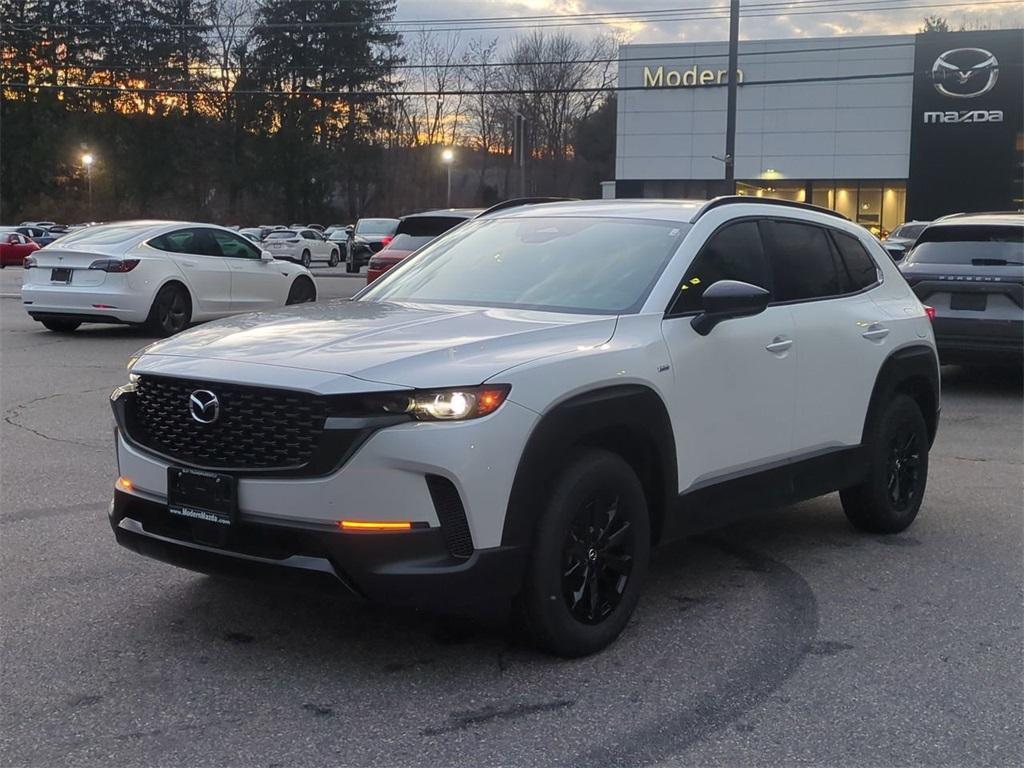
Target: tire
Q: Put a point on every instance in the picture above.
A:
(171, 312)
(302, 291)
(897, 447)
(61, 326)
(334, 259)
(305, 260)
(351, 267)
(593, 532)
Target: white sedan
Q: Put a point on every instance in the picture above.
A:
(303, 246)
(163, 274)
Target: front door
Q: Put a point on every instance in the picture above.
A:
(734, 390)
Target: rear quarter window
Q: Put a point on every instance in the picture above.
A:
(861, 270)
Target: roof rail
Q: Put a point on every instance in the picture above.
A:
(979, 213)
(718, 202)
(518, 201)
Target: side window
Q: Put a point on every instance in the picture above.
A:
(234, 247)
(732, 253)
(802, 263)
(859, 265)
(310, 234)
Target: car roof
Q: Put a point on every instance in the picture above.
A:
(455, 213)
(1008, 218)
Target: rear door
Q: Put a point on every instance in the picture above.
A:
(197, 256)
(255, 284)
(841, 336)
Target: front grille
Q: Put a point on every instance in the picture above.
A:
(257, 428)
(451, 514)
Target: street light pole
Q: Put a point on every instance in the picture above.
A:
(87, 161)
(448, 157)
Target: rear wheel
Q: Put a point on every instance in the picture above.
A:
(897, 445)
(302, 291)
(306, 259)
(334, 259)
(61, 326)
(171, 311)
(590, 555)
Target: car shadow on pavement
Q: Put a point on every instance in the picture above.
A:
(989, 380)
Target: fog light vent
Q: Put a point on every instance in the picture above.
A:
(451, 514)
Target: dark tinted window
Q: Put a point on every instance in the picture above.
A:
(975, 244)
(310, 234)
(733, 253)
(860, 267)
(802, 263)
(431, 226)
(909, 231)
(196, 242)
(235, 247)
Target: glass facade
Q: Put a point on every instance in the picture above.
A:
(880, 206)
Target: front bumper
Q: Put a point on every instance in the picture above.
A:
(412, 568)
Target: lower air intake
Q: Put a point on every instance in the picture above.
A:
(451, 514)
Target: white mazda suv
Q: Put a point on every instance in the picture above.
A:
(525, 407)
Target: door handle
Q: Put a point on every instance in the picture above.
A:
(188, 263)
(779, 345)
(875, 332)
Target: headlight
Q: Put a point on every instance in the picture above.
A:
(449, 404)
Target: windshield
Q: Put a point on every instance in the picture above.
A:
(281, 234)
(970, 244)
(909, 231)
(561, 264)
(403, 242)
(376, 226)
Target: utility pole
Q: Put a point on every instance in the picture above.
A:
(519, 150)
(730, 110)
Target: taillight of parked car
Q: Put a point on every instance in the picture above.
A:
(386, 240)
(930, 311)
(30, 262)
(115, 265)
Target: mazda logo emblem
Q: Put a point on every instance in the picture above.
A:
(204, 406)
(965, 73)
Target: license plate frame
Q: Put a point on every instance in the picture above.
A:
(61, 275)
(971, 302)
(202, 496)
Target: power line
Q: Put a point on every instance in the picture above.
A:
(343, 95)
(714, 12)
(105, 67)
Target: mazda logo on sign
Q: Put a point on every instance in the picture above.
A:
(204, 406)
(964, 73)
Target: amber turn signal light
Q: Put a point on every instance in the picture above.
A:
(374, 525)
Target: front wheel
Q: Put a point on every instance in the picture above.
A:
(302, 291)
(306, 259)
(589, 558)
(171, 311)
(61, 326)
(351, 266)
(897, 451)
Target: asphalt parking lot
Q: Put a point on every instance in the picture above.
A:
(788, 640)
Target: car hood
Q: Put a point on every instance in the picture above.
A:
(400, 344)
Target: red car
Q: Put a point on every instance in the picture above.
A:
(413, 233)
(14, 247)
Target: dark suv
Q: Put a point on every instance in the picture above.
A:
(970, 268)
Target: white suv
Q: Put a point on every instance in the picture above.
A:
(528, 405)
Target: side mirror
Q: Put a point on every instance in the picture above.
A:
(727, 299)
(349, 229)
(266, 256)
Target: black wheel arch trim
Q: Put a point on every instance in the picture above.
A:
(630, 420)
(911, 370)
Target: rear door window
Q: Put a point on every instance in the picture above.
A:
(861, 271)
(803, 267)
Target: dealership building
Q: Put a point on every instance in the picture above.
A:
(882, 129)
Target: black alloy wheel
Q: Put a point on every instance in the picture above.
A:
(598, 553)
(334, 259)
(306, 259)
(171, 312)
(903, 468)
